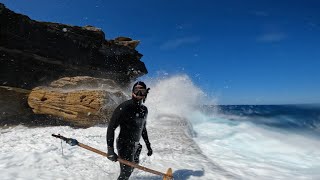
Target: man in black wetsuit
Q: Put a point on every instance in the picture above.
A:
(131, 116)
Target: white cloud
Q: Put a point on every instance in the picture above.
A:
(175, 43)
(272, 37)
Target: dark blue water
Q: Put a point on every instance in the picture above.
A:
(295, 117)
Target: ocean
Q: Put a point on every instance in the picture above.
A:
(262, 141)
(189, 132)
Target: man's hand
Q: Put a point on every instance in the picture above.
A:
(149, 149)
(112, 156)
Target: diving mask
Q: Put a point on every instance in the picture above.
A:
(138, 91)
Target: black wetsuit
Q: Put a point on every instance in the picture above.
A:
(131, 116)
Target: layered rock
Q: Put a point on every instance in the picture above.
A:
(35, 53)
(76, 101)
(127, 42)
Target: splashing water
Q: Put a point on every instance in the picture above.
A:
(238, 145)
(197, 145)
(174, 95)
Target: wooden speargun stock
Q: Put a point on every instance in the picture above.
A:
(74, 142)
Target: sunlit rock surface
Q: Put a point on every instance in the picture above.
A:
(78, 101)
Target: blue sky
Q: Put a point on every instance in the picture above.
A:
(241, 52)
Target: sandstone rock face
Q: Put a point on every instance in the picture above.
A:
(36, 53)
(72, 100)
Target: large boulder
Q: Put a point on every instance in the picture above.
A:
(81, 101)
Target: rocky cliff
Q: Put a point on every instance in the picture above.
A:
(34, 55)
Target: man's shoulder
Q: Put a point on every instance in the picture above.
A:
(124, 104)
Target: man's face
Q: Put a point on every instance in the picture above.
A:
(139, 92)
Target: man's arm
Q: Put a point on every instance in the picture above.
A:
(145, 135)
(113, 124)
(144, 131)
(146, 140)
